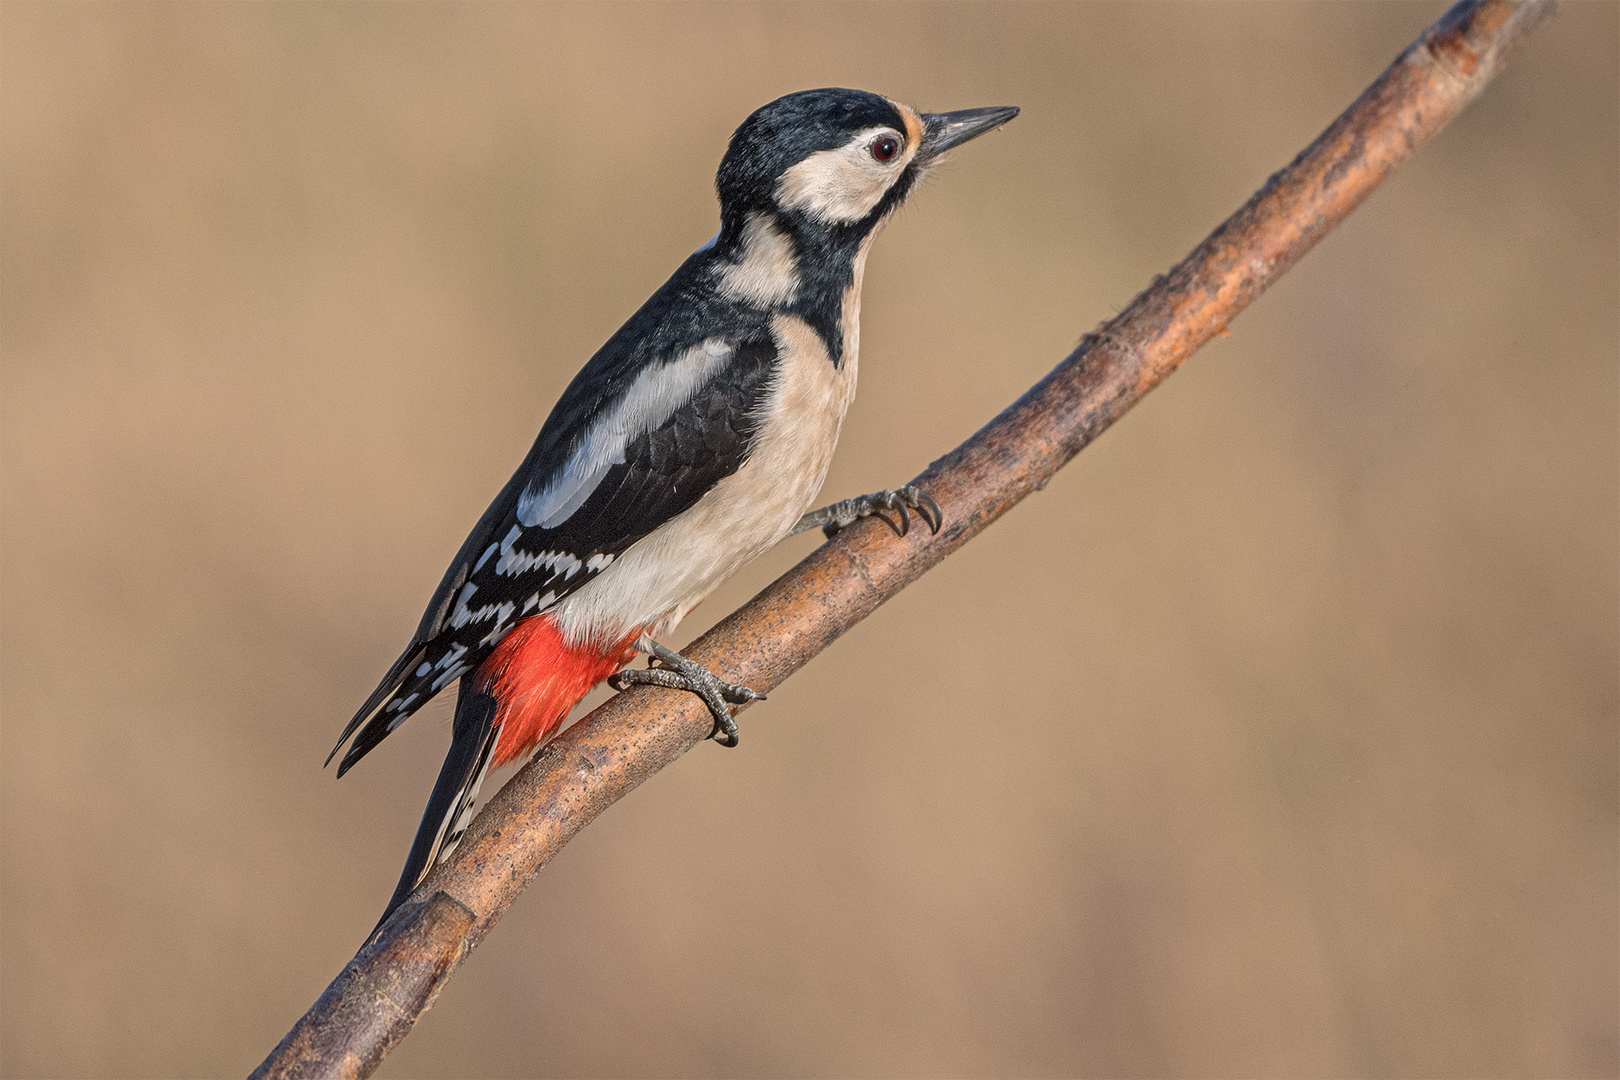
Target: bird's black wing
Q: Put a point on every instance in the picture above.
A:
(531, 548)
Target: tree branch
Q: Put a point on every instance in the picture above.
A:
(380, 994)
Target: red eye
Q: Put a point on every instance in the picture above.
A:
(884, 149)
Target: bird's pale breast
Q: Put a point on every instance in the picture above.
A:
(658, 580)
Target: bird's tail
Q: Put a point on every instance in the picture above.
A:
(450, 807)
(516, 700)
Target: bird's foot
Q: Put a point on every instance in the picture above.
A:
(679, 673)
(840, 515)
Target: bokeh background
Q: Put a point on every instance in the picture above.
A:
(1277, 737)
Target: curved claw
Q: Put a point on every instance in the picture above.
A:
(929, 511)
(909, 498)
(840, 515)
(893, 500)
(678, 673)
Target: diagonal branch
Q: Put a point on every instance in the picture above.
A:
(392, 980)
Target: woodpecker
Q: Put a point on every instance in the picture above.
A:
(694, 440)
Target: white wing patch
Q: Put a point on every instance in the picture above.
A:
(651, 399)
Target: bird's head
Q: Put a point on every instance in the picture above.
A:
(836, 161)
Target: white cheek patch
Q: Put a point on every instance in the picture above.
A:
(842, 185)
(654, 396)
(768, 272)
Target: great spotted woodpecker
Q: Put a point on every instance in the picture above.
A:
(694, 440)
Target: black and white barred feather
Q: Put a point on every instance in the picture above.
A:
(680, 413)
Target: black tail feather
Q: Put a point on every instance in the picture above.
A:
(471, 745)
(390, 682)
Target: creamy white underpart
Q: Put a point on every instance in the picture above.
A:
(766, 272)
(850, 316)
(668, 572)
(843, 184)
(651, 399)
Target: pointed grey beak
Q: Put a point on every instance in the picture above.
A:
(941, 131)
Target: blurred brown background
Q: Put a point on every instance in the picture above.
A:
(1277, 737)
